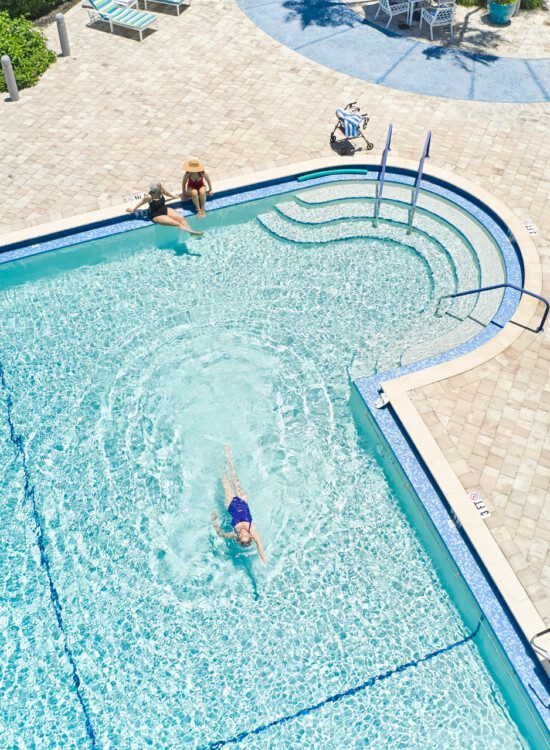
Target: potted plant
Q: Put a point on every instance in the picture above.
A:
(501, 11)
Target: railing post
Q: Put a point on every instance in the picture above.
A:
(11, 83)
(425, 155)
(63, 37)
(506, 286)
(380, 184)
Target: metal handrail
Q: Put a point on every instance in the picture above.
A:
(539, 649)
(425, 155)
(507, 286)
(380, 183)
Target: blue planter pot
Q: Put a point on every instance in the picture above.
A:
(501, 14)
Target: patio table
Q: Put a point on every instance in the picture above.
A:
(412, 4)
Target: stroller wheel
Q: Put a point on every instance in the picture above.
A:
(370, 146)
(332, 138)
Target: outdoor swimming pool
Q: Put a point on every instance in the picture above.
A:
(127, 363)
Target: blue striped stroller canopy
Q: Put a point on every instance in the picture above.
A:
(350, 126)
(350, 121)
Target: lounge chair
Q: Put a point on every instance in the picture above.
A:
(126, 17)
(174, 3)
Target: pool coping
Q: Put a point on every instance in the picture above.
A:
(398, 387)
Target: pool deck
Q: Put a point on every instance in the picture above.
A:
(101, 124)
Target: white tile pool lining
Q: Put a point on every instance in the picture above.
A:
(397, 383)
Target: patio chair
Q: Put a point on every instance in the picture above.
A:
(441, 15)
(174, 3)
(392, 9)
(124, 16)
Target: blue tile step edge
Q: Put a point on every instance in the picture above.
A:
(519, 658)
(126, 222)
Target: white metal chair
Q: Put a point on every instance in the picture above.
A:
(441, 15)
(392, 9)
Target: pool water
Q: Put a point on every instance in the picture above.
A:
(129, 362)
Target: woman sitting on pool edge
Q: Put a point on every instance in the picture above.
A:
(236, 503)
(160, 212)
(194, 183)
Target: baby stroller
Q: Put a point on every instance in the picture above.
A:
(351, 123)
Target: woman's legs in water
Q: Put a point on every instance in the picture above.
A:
(202, 201)
(167, 220)
(232, 472)
(194, 195)
(173, 219)
(227, 491)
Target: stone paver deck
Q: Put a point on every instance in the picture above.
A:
(102, 124)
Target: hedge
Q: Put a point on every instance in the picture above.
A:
(27, 49)
(29, 8)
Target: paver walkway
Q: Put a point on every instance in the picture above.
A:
(103, 123)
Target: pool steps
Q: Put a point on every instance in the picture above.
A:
(345, 211)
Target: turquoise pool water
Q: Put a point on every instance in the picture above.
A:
(129, 362)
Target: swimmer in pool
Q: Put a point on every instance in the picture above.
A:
(236, 502)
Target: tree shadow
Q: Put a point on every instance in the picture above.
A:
(319, 13)
(461, 57)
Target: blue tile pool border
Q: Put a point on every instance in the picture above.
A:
(524, 661)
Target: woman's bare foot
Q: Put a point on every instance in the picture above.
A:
(201, 214)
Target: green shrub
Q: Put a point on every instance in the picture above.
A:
(29, 8)
(27, 49)
(532, 4)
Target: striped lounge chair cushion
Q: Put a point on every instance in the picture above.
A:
(132, 17)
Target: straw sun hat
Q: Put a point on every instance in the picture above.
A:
(193, 165)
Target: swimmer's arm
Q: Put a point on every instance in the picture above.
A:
(259, 545)
(184, 184)
(207, 178)
(219, 532)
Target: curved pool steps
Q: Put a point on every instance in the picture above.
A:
(484, 250)
(473, 258)
(465, 269)
(438, 264)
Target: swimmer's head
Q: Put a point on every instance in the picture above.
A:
(244, 538)
(155, 188)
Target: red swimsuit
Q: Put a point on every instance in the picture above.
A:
(195, 184)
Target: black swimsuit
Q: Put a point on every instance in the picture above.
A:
(158, 207)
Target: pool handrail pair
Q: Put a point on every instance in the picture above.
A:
(382, 176)
(507, 286)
